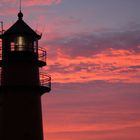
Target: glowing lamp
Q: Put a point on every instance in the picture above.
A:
(20, 44)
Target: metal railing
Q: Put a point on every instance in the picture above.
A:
(45, 79)
(42, 54)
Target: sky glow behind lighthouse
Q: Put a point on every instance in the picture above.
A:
(94, 59)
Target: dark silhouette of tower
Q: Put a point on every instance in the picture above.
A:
(22, 83)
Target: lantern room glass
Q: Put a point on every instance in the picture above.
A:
(20, 44)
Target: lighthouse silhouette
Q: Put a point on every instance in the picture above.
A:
(22, 83)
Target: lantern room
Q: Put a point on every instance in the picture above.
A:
(19, 38)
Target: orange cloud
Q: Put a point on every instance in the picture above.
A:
(110, 65)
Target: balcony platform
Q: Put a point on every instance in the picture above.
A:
(35, 55)
(34, 89)
(43, 86)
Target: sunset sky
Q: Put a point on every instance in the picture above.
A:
(94, 60)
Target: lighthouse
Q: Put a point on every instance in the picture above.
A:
(22, 82)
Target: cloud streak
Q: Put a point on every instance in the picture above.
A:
(110, 56)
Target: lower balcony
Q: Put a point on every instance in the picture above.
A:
(45, 82)
(43, 87)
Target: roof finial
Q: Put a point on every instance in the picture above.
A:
(20, 15)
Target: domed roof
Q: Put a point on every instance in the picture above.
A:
(20, 27)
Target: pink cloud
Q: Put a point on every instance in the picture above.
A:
(12, 9)
(32, 2)
(111, 65)
(41, 2)
(109, 56)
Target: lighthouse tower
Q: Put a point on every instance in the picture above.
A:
(22, 83)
